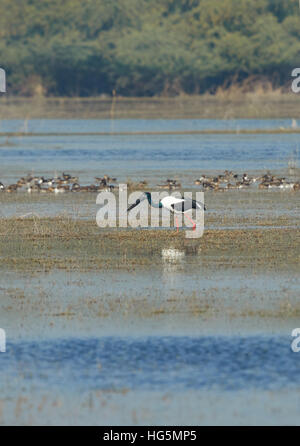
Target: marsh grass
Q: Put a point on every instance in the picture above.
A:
(224, 105)
(65, 243)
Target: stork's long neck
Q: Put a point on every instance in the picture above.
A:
(154, 205)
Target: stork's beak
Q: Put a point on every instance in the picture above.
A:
(134, 205)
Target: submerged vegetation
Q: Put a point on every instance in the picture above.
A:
(146, 47)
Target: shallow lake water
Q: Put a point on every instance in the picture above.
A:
(182, 380)
(128, 347)
(150, 157)
(140, 125)
(174, 343)
(171, 299)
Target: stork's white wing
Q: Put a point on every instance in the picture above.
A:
(181, 205)
(186, 205)
(169, 201)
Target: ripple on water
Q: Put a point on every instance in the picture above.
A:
(152, 363)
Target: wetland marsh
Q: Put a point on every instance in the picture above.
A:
(136, 326)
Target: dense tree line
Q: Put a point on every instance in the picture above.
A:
(145, 47)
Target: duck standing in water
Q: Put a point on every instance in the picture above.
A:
(173, 204)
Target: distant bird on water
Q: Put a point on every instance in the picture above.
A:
(173, 204)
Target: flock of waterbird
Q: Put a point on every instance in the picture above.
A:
(61, 184)
(228, 180)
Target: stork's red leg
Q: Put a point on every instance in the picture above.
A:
(194, 224)
(177, 225)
